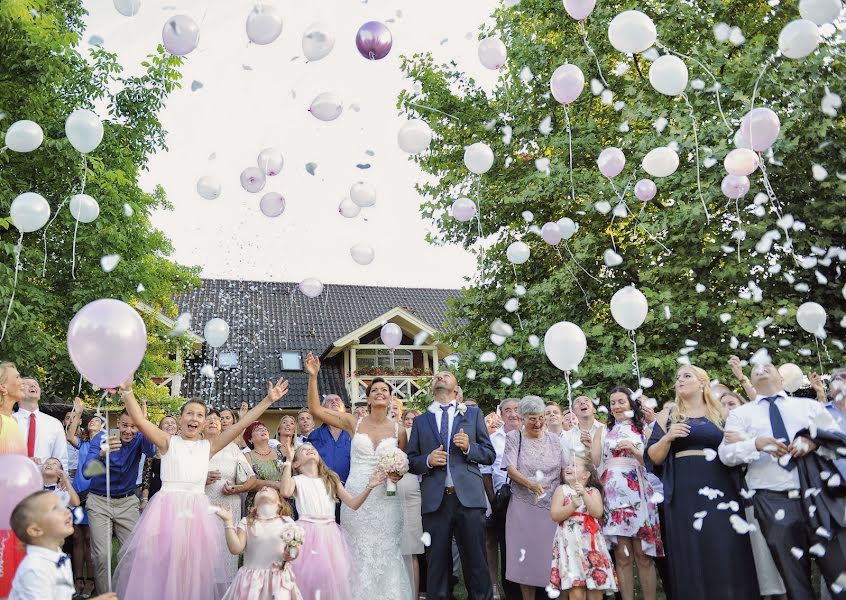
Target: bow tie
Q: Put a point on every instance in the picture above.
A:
(62, 560)
(51, 488)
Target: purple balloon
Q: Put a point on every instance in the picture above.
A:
(374, 40)
(272, 204)
(106, 342)
(180, 35)
(760, 128)
(567, 83)
(391, 335)
(19, 477)
(551, 233)
(734, 186)
(611, 162)
(252, 179)
(645, 190)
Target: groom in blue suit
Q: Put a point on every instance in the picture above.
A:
(448, 443)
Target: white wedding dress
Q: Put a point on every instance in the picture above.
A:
(374, 531)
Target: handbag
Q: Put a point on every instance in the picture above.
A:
(503, 494)
(241, 473)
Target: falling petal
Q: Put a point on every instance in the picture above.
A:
(109, 262)
(196, 85)
(311, 168)
(426, 538)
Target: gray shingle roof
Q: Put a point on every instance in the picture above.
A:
(267, 317)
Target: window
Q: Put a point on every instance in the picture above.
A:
(371, 359)
(227, 360)
(291, 361)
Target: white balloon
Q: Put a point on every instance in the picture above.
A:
(270, 161)
(464, 209)
(792, 376)
(414, 136)
(517, 253)
(741, 162)
(799, 38)
(84, 130)
(820, 11)
(29, 212)
(264, 24)
(811, 317)
(317, 42)
(478, 158)
(24, 136)
(253, 179)
(565, 345)
(348, 208)
(629, 307)
(311, 287)
(631, 32)
(668, 75)
(216, 332)
(128, 8)
(492, 53)
(362, 254)
(568, 227)
(208, 187)
(326, 107)
(84, 208)
(661, 162)
(363, 194)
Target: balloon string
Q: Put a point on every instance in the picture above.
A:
(767, 64)
(739, 225)
(775, 204)
(108, 504)
(432, 109)
(58, 210)
(717, 86)
(567, 246)
(635, 362)
(569, 270)
(73, 251)
(569, 391)
(79, 386)
(819, 356)
(325, 300)
(583, 31)
(570, 145)
(17, 251)
(698, 168)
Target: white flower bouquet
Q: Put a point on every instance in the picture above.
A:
(293, 537)
(392, 461)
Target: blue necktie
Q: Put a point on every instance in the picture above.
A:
(62, 560)
(445, 427)
(779, 430)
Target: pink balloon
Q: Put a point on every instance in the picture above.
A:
(734, 186)
(611, 162)
(551, 233)
(252, 179)
(741, 161)
(272, 204)
(579, 9)
(391, 335)
(106, 342)
(463, 209)
(645, 190)
(567, 83)
(760, 128)
(374, 40)
(180, 35)
(19, 477)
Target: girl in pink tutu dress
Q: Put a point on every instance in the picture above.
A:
(176, 548)
(325, 566)
(266, 574)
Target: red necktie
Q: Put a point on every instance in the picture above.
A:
(30, 440)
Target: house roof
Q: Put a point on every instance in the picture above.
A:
(268, 317)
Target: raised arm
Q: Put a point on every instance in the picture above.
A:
(336, 419)
(73, 426)
(274, 394)
(737, 370)
(160, 438)
(596, 448)
(354, 502)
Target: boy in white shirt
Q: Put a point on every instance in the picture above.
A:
(42, 522)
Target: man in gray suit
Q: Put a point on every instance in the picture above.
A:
(448, 443)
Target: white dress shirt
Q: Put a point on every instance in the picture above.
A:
(39, 577)
(495, 470)
(50, 440)
(435, 409)
(752, 420)
(573, 438)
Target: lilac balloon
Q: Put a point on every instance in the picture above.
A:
(463, 209)
(551, 233)
(567, 83)
(180, 35)
(252, 179)
(645, 190)
(760, 128)
(734, 186)
(579, 9)
(611, 162)
(19, 477)
(391, 335)
(374, 40)
(741, 161)
(106, 342)
(272, 204)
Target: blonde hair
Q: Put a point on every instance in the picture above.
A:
(329, 477)
(5, 367)
(713, 408)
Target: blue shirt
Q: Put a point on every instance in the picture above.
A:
(839, 415)
(335, 453)
(123, 464)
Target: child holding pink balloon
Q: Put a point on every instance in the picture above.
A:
(176, 549)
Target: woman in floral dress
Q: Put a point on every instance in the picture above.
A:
(631, 510)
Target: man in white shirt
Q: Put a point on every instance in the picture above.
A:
(44, 435)
(305, 422)
(554, 420)
(581, 436)
(762, 434)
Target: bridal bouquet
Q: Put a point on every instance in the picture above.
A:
(392, 461)
(293, 537)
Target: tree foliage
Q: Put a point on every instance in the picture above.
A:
(44, 77)
(706, 298)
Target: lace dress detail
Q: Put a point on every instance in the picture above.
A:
(374, 531)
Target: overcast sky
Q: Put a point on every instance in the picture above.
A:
(254, 97)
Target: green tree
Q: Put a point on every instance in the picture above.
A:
(44, 78)
(703, 293)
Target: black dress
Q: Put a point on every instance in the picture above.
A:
(715, 561)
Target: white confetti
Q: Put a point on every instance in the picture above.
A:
(534, 341)
(797, 552)
(710, 493)
(646, 382)
(542, 165)
(611, 258)
(660, 124)
(722, 32)
(487, 357)
(426, 538)
(512, 305)
(740, 525)
(710, 454)
(621, 68)
(517, 377)
(736, 37)
(725, 317)
(182, 324)
(823, 533)
(606, 97)
(470, 374)
(507, 133)
(207, 371)
(667, 314)
(603, 207)
(545, 127)
(551, 592)
(526, 75)
(109, 262)
(509, 364)
(497, 339)
(127, 210)
(697, 84)
(596, 87)
(519, 290)
(697, 524)
(817, 550)
(522, 554)
(819, 173)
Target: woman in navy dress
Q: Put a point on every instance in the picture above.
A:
(709, 557)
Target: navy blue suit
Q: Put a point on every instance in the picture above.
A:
(459, 510)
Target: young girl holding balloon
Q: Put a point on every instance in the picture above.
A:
(176, 549)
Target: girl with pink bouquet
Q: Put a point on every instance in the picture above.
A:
(325, 567)
(176, 548)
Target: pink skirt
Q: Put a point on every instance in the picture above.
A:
(323, 564)
(264, 584)
(176, 550)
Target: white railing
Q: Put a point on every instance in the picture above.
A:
(407, 388)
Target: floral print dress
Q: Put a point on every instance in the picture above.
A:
(630, 500)
(580, 556)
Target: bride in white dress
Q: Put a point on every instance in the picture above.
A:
(374, 531)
